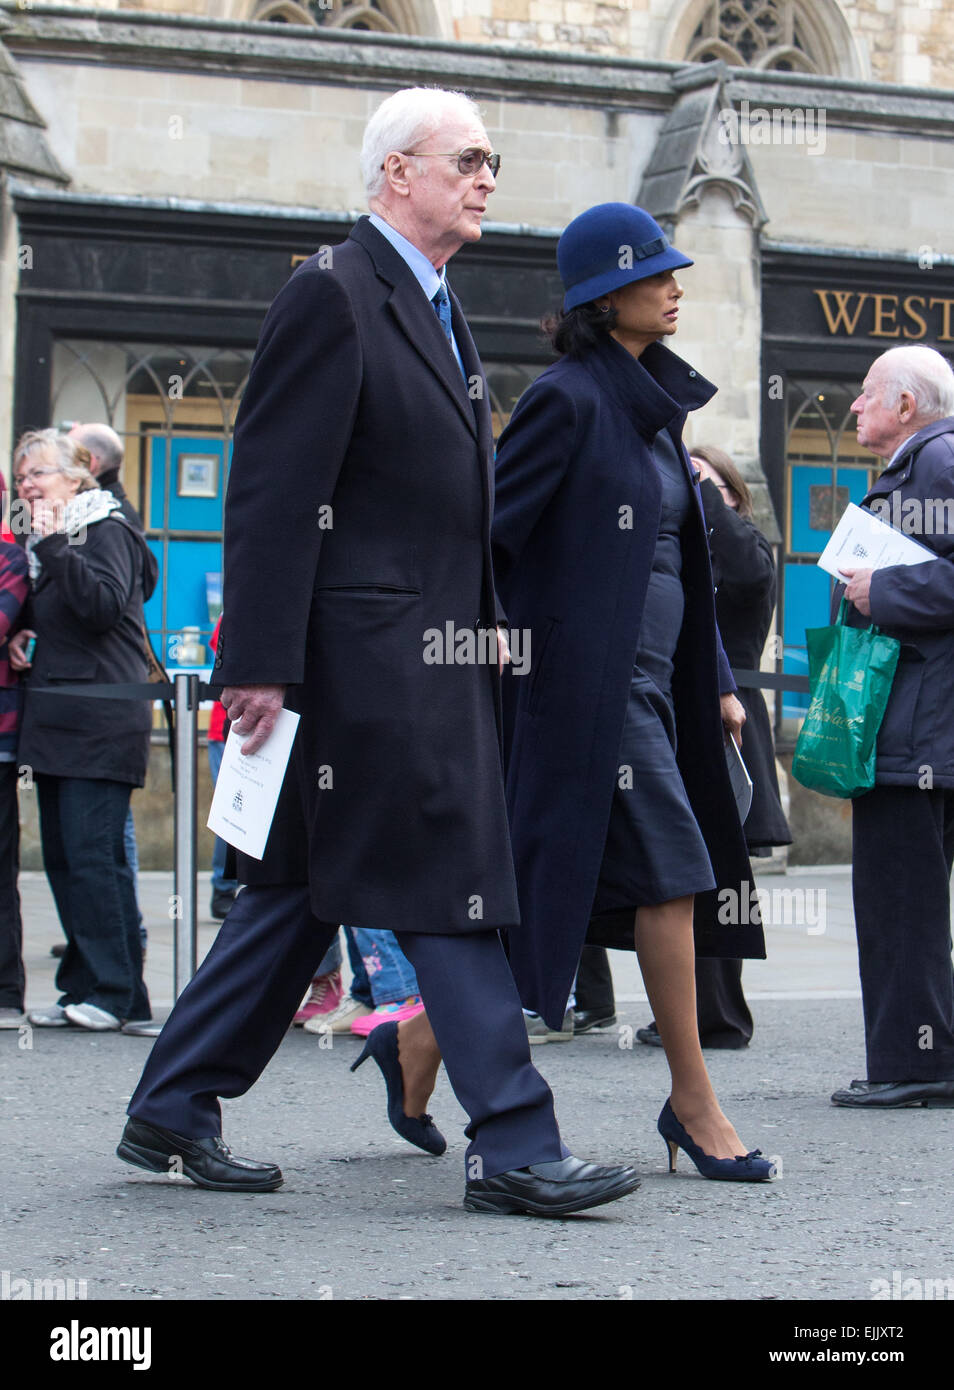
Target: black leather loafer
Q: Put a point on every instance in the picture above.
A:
(585, 1019)
(550, 1189)
(895, 1095)
(650, 1035)
(208, 1162)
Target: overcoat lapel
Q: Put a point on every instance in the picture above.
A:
(416, 317)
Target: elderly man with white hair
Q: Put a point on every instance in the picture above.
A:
(368, 414)
(903, 829)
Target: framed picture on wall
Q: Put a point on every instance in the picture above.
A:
(198, 475)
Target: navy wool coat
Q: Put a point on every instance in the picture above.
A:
(575, 526)
(915, 603)
(359, 430)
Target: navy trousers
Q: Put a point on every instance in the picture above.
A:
(902, 852)
(235, 1012)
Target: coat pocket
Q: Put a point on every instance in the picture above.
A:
(367, 589)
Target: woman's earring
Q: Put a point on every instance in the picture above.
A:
(604, 308)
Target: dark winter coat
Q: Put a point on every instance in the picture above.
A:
(575, 527)
(916, 604)
(355, 402)
(743, 570)
(86, 608)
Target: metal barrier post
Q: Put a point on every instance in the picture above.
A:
(184, 886)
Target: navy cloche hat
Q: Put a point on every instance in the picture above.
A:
(609, 246)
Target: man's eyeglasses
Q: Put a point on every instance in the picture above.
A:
(469, 161)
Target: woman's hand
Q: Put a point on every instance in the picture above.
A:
(733, 717)
(47, 515)
(17, 649)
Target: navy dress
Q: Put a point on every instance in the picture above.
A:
(654, 849)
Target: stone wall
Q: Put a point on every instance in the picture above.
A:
(900, 41)
(214, 136)
(884, 190)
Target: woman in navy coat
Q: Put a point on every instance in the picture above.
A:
(621, 810)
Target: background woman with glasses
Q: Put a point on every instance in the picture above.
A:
(90, 573)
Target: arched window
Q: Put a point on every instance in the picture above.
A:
(381, 16)
(767, 34)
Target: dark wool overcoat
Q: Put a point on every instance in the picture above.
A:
(370, 595)
(86, 608)
(743, 570)
(915, 603)
(575, 526)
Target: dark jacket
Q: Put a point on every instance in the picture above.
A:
(575, 527)
(916, 604)
(355, 402)
(86, 609)
(743, 570)
(109, 482)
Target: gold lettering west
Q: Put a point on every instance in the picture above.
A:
(842, 306)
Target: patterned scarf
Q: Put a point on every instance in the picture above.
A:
(81, 511)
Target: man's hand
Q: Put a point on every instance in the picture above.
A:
(858, 589)
(733, 717)
(253, 710)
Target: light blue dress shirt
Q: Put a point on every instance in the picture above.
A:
(429, 279)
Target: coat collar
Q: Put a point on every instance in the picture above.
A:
(899, 470)
(655, 390)
(421, 325)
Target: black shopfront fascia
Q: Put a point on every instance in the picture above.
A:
(127, 272)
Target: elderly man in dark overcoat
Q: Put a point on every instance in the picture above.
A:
(903, 829)
(371, 610)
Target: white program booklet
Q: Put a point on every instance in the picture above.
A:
(862, 540)
(739, 777)
(247, 788)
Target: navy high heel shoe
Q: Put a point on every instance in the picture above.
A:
(382, 1045)
(751, 1167)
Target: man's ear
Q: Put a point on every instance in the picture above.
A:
(395, 172)
(907, 406)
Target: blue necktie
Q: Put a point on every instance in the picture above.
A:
(442, 309)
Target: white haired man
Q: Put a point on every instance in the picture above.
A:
(903, 829)
(367, 406)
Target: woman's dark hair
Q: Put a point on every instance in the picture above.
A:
(719, 460)
(575, 331)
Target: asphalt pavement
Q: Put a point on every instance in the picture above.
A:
(861, 1198)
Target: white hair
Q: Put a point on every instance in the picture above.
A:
(925, 374)
(405, 120)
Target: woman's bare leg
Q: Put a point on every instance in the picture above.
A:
(420, 1060)
(664, 945)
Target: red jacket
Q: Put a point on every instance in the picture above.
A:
(218, 716)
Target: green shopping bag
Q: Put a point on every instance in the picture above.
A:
(850, 671)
